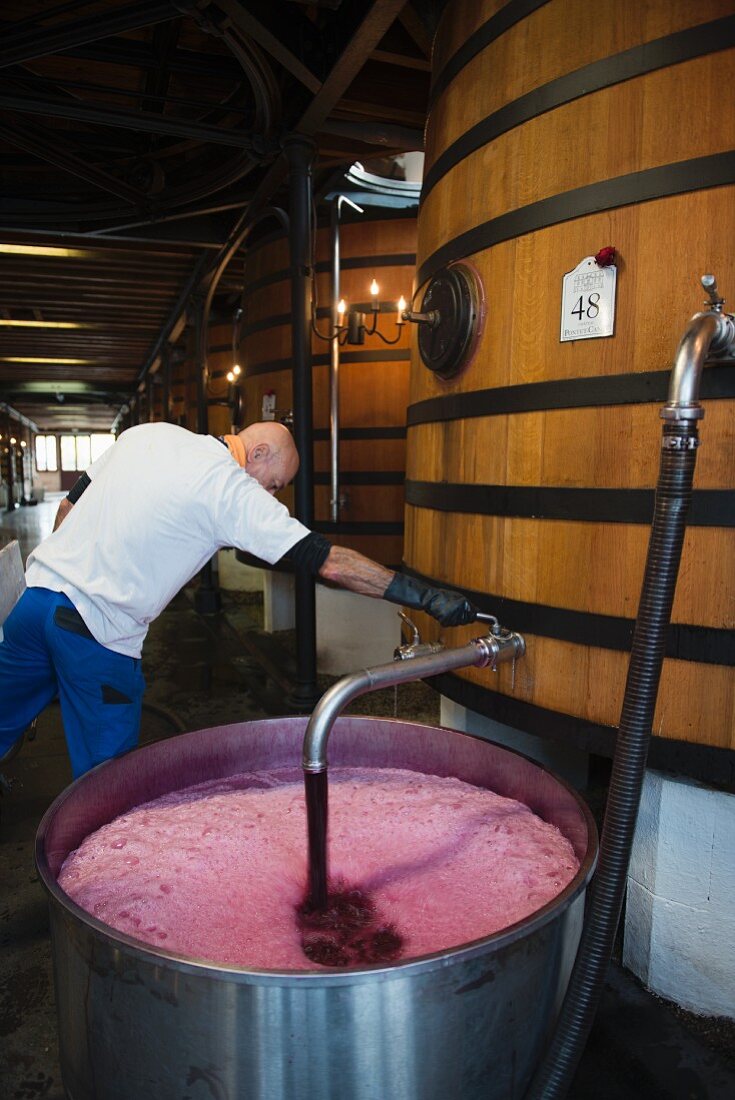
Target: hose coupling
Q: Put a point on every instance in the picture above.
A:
(500, 645)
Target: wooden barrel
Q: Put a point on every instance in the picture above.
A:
(557, 129)
(373, 376)
(183, 398)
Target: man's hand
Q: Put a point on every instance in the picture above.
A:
(63, 511)
(447, 607)
(351, 570)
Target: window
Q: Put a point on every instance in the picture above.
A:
(68, 452)
(46, 459)
(78, 452)
(83, 452)
(101, 441)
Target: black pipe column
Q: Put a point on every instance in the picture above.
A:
(207, 598)
(299, 152)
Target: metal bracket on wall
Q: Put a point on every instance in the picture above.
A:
(451, 319)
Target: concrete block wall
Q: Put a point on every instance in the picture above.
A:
(680, 912)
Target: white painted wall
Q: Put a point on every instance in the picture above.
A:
(278, 601)
(680, 914)
(352, 631)
(12, 580)
(236, 577)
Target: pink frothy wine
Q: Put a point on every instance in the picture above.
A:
(218, 871)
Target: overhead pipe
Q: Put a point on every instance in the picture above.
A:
(709, 333)
(299, 152)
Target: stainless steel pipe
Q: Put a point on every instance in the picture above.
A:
(710, 333)
(478, 653)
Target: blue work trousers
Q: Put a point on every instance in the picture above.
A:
(101, 692)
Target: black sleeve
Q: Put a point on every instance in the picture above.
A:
(310, 553)
(78, 488)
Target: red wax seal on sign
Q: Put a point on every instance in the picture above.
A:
(605, 256)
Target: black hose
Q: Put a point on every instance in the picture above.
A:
(673, 495)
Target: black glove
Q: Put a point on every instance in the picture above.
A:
(450, 608)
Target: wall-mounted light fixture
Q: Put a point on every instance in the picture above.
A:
(357, 326)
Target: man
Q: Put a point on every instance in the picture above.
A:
(135, 528)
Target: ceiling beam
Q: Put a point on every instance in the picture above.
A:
(157, 79)
(31, 84)
(375, 133)
(39, 144)
(40, 41)
(126, 120)
(365, 39)
(275, 44)
(79, 389)
(15, 415)
(98, 247)
(403, 60)
(124, 51)
(416, 28)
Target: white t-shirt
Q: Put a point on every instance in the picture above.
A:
(161, 501)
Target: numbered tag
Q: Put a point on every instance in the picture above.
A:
(268, 410)
(588, 301)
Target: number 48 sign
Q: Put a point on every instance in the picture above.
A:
(588, 301)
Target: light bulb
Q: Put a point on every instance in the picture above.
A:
(401, 304)
(374, 289)
(237, 370)
(13, 440)
(341, 307)
(23, 443)
(230, 376)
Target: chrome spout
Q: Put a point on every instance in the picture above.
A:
(709, 333)
(480, 652)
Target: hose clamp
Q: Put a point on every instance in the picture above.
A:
(680, 443)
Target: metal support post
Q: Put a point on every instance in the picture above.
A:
(299, 152)
(207, 598)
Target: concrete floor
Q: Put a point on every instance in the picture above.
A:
(199, 674)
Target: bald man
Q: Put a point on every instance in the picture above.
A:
(136, 527)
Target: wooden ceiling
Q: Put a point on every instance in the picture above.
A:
(137, 132)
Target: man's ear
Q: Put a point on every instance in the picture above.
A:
(260, 452)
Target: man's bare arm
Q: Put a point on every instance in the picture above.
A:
(351, 570)
(63, 511)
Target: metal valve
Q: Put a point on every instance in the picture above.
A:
(500, 644)
(723, 340)
(415, 648)
(714, 301)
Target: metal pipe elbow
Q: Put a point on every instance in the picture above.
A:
(706, 332)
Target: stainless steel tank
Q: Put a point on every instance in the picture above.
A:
(138, 1023)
